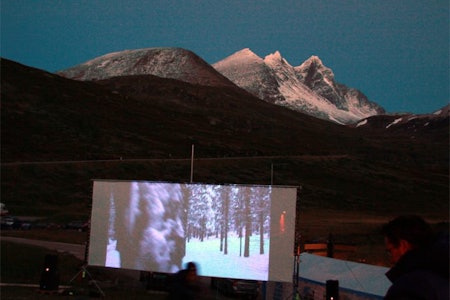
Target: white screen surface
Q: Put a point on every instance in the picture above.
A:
(232, 231)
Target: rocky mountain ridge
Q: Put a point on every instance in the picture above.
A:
(309, 88)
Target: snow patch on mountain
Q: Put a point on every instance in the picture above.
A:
(406, 122)
(396, 121)
(362, 123)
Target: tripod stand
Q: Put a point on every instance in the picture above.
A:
(83, 272)
(295, 294)
(296, 273)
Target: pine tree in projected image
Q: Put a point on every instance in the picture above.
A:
(250, 213)
(200, 214)
(219, 217)
(195, 212)
(248, 226)
(226, 213)
(241, 217)
(261, 213)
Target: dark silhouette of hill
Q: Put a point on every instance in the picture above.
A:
(59, 134)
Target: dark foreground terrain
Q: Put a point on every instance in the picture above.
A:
(22, 265)
(59, 134)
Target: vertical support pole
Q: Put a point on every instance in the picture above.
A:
(192, 163)
(271, 174)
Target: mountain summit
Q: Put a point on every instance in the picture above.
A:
(175, 63)
(309, 88)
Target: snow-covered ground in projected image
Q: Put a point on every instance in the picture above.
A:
(212, 262)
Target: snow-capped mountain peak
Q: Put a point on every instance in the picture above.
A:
(314, 66)
(247, 53)
(312, 60)
(309, 88)
(235, 60)
(274, 58)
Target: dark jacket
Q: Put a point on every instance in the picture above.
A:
(182, 288)
(421, 274)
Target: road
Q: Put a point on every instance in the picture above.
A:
(65, 162)
(77, 250)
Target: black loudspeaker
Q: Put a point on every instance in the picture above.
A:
(50, 275)
(332, 290)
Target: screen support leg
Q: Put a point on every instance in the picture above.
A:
(295, 278)
(83, 272)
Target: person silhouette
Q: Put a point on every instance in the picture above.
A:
(420, 260)
(185, 285)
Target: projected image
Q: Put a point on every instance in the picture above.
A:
(146, 227)
(231, 225)
(226, 229)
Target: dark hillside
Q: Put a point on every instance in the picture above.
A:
(70, 120)
(58, 134)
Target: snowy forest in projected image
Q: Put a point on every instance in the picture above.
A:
(160, 227)
(227, 230)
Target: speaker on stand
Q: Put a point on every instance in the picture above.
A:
(332, 290)
(50, 275)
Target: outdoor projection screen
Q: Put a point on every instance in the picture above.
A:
(232, 231)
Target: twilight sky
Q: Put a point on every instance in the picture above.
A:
(396, 52)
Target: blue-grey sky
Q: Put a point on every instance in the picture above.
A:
(394, 51)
